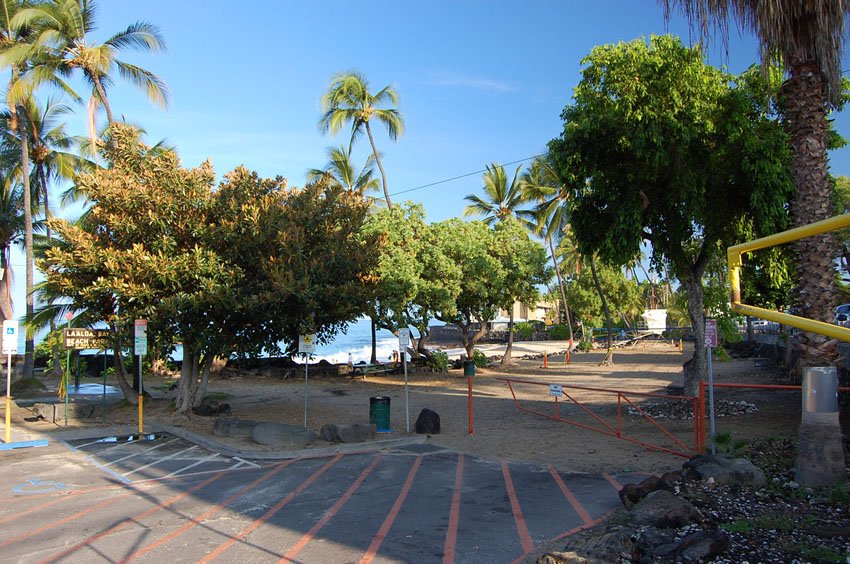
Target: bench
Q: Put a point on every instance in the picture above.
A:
(365, 369)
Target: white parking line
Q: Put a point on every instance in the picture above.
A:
(249, 463)
(155, 462)
(140, 452)
(201, 461)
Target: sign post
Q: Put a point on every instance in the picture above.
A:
(556, 390)
(403, 342)
(10, 347)
(711, 341)
(140, 346)
(306, 346)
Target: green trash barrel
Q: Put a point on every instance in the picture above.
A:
(469, 368)
(379, 413)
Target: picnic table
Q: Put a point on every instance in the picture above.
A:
(365, 369)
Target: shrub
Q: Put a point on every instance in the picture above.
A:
(480, 359)
(438, 361)
(523, 330)
(585, 345)
(559, 332)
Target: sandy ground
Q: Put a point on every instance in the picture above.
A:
(501, 429)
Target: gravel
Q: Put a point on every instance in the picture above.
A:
(685, 410)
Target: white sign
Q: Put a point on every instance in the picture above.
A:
(403, 339)
(711, 333)
(556, 390)
(307, 344)
(10, 336)
(140, 337)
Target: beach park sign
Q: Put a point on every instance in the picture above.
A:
(81, 339)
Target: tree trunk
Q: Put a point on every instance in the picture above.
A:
(506, 358)
(380, 165)
(374, 358)
(561, 285)
(194, 378)
(29, 343)
(696, 369)
(101, 91)
(609, 355)
(121, 376)
(422, 343)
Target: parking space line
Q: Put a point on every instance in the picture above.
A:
(277, 507)
(208, 513)
(613, 481)
(308, 536)
(521, 527)
(155, 462)
(245, 462)
(133, 519)
(579, 508)
(388, 522)
(196, 463)
(129, 456)
(454, 514)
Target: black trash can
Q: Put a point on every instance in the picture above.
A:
(379, 413)
(469, 368)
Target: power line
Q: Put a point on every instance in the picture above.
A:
(462, 176)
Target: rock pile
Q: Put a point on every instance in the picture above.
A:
(685, 410)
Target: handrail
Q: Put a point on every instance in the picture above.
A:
(735, 258)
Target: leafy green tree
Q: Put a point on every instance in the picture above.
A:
(624, 296)
(665, 148)
(232, 269)
(63, 45)
(348, 100)
(807, 40)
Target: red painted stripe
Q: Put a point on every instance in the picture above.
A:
(268, 514)
(585, 516)
(521, 527)
(308, 536)
(391, 516)
(20, 514)
(454, 515)
(565, 534)
(208, 513)
(613, 481)
(133, 519)
(68, 519)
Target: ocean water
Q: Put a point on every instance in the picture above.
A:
(358, 341)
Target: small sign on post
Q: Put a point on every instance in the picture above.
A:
(403, 339)
(711, 333)
(10, 336)
(711, 342)
(306, 346)
(403, 342)
(556, 390)
(82, 339)
(140, 334)
(10, 347)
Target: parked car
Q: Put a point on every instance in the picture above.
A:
(842, 315)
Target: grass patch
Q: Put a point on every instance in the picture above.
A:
(216, 396)
(822, 554)
(739, 526)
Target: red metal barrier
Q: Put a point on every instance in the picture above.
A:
(703, 385)
(607, 429)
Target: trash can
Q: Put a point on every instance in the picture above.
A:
(469, 368)
(379, 413)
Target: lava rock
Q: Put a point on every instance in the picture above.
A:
(356, 433)
(724, 470)
(329, 432)
(633, 493)
(663, 509)
(55, 412)
(282, 435)
(208, 409)
(428, 423)
(232, 427)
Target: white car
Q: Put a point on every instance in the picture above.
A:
(842, 315)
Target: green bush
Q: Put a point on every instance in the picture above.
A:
(585, 345)
(480, 359)
(523, 330)
(559, 332)
(438, 361)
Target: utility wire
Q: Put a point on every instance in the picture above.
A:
(462, 176)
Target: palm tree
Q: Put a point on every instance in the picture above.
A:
(341, 171)
(11, 227)
(550, 217)
(503, 201)
(348, 100)
(807, 38)
(64, 27)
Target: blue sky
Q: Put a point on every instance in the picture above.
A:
(480, 81)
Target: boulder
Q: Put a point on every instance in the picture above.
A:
(210, 408)
(724, 470)
(282, 435)
(356, 433)
(232, 427)
(55, 412)
(428, 423)
(329, 432)
(662, 509)
(633, 493)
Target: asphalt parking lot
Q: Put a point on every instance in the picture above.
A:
(159, 498)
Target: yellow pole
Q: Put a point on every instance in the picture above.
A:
(141, 414)
(9, 399)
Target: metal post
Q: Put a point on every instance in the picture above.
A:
(67, 377)
(306, 364)
(77, 372)
(103, 417)
(406, 398)
(556, 407)
(9, 398)
(141, 399)
(711, 401)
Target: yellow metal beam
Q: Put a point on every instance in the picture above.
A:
(735, 258)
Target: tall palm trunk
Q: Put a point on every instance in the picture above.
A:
(609, 355)
(560, 285)
(101, 91)
(380, 165)
(29, 343)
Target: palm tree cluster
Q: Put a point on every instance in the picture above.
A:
(42, 44)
